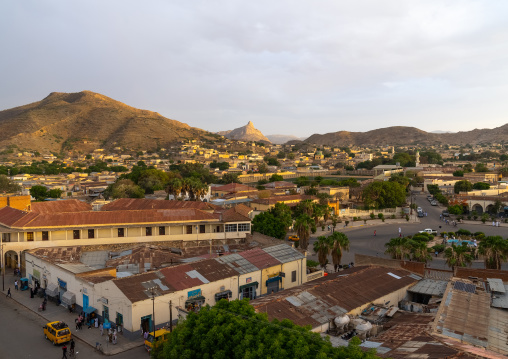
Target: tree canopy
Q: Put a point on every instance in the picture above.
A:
(234, 330)
(7, 186)
(462, 186)
(389, 194)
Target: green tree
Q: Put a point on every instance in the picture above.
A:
(124, 188)
(7, 186)
(151, 180)
(282, 213)
(339, 244)
(234, 330)
(174, 187)
(276, 177)
(458, 173)
(384, 195)
(55, 193)
(230, 178)
(40, 193)
(458, 256)
(266, 223)
(303, 226)
(481, 185)
(302, 181)
(481, 167)
(322, 246)
(495, 250)
(462, 186)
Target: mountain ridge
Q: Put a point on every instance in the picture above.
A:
(245, 133)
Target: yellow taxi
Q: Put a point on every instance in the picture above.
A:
(294, 238)
(161, 336)
(57, 332)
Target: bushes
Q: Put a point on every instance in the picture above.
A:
(439, 248)
(463, 232)
(372, 216)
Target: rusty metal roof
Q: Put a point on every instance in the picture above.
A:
(143, 203)
(68, 205)
(9, 215)
(260, 258)
(238, 213)
(325, 298)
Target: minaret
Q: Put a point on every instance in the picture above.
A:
(417, 158)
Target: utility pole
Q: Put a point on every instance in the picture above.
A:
(171, 316)
(152, 292)
(3, 266)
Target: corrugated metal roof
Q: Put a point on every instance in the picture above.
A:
(284, 253)
(496, 285)
(238, 263)
(68, 205)
(430, 287)
(122, 204)
(500, 300)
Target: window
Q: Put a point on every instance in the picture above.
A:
(45, 235)
(91, 233)
(148, 231)
(293, 276)
(29, 236)
(244, 227)
(231, 227)
(201, 228)
(75, 234)
(218, 229)
(188, 229)
(162, 231)
(121, 232)
(6, 237)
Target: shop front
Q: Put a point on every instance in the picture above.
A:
(249, 290)
(195, 300)
(274, 284)
(223, 294)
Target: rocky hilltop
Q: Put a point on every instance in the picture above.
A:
(245, 133)
(400, 135)
(78, 121)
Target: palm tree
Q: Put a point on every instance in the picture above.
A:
(419, 251)
(322, 247)
(495, 250)
(174, 187)
(303, 226)
(457, 256)
(398, 248)
(340, 243)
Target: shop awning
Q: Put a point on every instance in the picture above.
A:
(226, 293)
(51, 290)
(195, 299)
(242, 287)
(274, 279)
(69, 298)
(89, 310)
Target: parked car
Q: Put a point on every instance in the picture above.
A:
(429, 231)
(420, 214)
(445, 213)
(433, 203)
(430, 198)
(294, 238)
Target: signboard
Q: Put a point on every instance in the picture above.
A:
(62, 284)
(248, 280)
(103, 300)
(37, 274)
(194, 293)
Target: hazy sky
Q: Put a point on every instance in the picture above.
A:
(289, 66)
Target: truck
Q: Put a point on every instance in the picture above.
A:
(429, 231)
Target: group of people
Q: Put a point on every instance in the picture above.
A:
(64, 349)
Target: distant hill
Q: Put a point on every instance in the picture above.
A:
(87, 120)
(245, 133)
(399, 135)
(281, 139)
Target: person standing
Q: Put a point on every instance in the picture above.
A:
(97, 322)
(16, 284)
(400, 232)
(374, 233)
(101, 327)
(64, 350)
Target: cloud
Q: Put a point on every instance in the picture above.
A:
(293, 67)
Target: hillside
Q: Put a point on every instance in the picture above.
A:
(281, 139)
(245, 133)
(78, 121)
(400, 135)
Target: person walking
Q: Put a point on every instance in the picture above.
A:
(101, 327)
(8, 293)
(72, 347)
(97, 322)
(16, 284)
(64, 350)
(374, 233)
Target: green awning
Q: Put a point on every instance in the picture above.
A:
(242, 287)
(195, 299)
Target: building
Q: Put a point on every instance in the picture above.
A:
(126, 299)
(71, 223)
(264, 204)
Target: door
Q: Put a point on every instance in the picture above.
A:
(146, 323)
(85, 302)
(272, 287)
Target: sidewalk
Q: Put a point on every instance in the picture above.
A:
(55, 312)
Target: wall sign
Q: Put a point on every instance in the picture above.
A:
(194, 293)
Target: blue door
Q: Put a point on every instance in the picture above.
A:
(85, 301)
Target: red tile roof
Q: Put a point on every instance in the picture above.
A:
(69, 205)
(142, 203)
(238, 213)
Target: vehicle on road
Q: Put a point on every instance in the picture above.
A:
(294, 238)
(433, 203)
(420, 214)
(57, 332)
(445, 213)
(430, 198)
(161, 336)
(429, 231)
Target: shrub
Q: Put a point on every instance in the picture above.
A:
(392, 217)
(469, 217)
(311, 263)
(407, 218)
(380, 215)
(372, 216)
(463, 232)
(355, 219)
(439, 248)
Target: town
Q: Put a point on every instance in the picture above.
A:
(137, 240)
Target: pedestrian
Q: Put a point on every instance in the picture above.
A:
(64, 350)
(97, 322)
(400, 231)
(101, 327)
(374, 233)
(8, 293)
(72, 346)
(146, 333)
(77, 323)
(16, 284)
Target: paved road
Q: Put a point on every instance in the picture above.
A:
(362, 240)
(21, 337)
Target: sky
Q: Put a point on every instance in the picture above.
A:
(291, 67)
